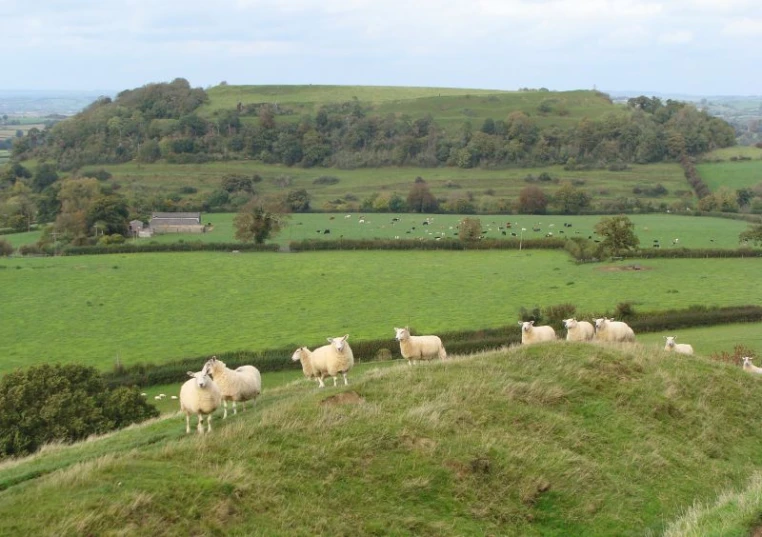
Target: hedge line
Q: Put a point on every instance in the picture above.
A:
(658, 253)
(446, 244)
(171, 247)
(462, 342)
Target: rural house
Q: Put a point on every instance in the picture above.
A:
(176, 223)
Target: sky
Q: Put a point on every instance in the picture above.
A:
(691, 47)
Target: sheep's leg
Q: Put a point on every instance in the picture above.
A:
(334, 380)
(209, 423)
(225, 407)
(320, 380)
(346, 382)
(187, 423)
(235, 408)
(200, 425)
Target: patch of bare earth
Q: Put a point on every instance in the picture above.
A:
(623, 268)
(343, 398)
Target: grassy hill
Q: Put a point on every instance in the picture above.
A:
(555, 439)
(449, 107)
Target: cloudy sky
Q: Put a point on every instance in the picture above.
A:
(697, 47)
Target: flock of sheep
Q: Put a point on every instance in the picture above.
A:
(215, 384)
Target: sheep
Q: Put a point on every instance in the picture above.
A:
(749, 367)
(241, 384)
(682, 348)
(199, 395)
(535, 334)
(608, 330)
(304, 355)
(414, 348)
(332, 359)
(578, 330)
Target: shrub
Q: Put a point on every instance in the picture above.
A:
(556, 314)
(535, 314)
(30, 249)
(6, 248)
(326, 180)
(66, 403)
(624, 310)
(736, 357)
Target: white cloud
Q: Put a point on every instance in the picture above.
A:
(745, 27)
(676, 37)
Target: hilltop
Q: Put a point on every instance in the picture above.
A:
(558, 439)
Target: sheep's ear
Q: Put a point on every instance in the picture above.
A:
(191, 374)
(346, 337)
(531, 322)
(396, 329)
(521, 324)
(329, 339)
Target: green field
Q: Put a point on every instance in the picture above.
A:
(485, 187)
(159, 307)
(732, 174)
(450, 107)
(727, 153)
(556, 439)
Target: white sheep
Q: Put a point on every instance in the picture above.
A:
(332, 359)
(578, 330)
(414, 348)
(199, 395)
(535, 334)
(304, 355)
(749, 367)
(608, 330)
(682, 348)
(237, 385)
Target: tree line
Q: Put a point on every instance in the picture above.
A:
(162, 121)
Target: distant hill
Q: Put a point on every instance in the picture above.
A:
(41, 103)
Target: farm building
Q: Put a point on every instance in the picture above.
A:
(176, 223)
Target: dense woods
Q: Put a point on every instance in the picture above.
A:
(162, 121)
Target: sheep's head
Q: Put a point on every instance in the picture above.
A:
(746, 361)
(599, 323)
(526, 326)
(670, 340)
(202, 377)
(570, 323)
(339, 342)
(401, 333)
(298, 353)
(213, 364)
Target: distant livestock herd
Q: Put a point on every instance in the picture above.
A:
(215, 384)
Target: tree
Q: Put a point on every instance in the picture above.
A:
(260, 219)
(618, 234)
(470, 229)
(110, 213)
(44, 176)
(66, 403)
(570, 200)
(752, 234)
(532, 200)
(298, 200)
(420, 199)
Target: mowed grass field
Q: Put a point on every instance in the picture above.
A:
(450, 107)
(732, 174)
(160, 307)
(484, 186)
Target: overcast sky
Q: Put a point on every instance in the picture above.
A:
(697, 47)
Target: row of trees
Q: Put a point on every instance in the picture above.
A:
(162, 121)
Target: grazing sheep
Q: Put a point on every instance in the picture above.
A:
(199, 395)
(241, 384)
(414, 348)
(332, 359)
(682, 348)
(608, 330)
(304, 355)
(578, 330)
(535, 334)
(749, 367)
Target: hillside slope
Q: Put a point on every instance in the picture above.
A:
(552, 440)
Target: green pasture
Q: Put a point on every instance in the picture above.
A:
(731, 174)
(485, 187)
(554, 439)
(450, 107)
(707, 340)
(727, 153)
(153, 308)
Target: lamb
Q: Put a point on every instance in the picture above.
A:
(749, 367)
(535, 334)
(682, 348)
(199, 395)
(304, 355)
(608, 330)
(332, 359)
(414, 348)
(241, 384)
(578, 330)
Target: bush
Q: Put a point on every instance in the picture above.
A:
(556, 314)
(535, 314)
(6, 248)
(54, 403)
(30, 249)
(624, 310)
(326, 180)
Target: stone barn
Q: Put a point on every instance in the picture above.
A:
(176, 223)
